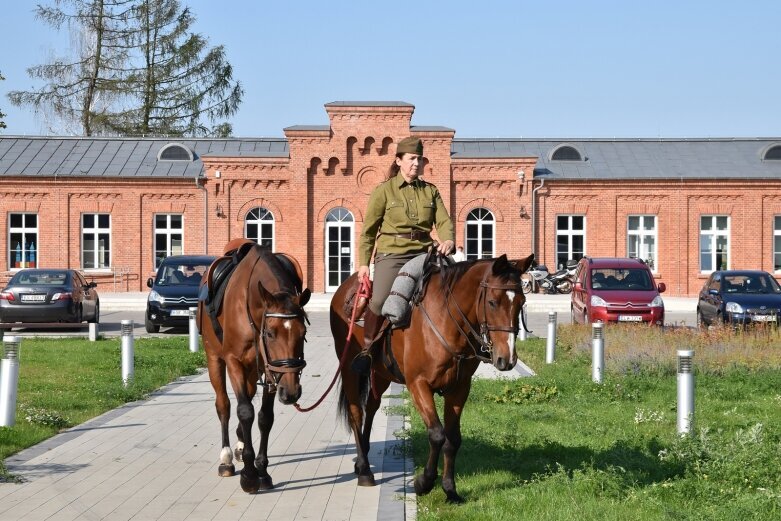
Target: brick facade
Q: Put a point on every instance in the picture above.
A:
(337, 165)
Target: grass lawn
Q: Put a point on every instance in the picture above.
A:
(558, 447)
(65, 382)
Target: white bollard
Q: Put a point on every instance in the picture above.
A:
(93, 331)
(128, 355)
(550, 346)
(597, 351)
(193, 330)
(522, 331)
(9, 380)
(685, 391)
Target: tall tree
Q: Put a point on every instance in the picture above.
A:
(2, 123)
(80, 89)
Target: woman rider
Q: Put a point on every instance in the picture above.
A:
(401, 214)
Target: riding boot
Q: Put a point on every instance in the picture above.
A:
(372, 324)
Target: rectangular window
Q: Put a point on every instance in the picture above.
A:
(641, 238)
(22, 240)
(570, 238)
(714, 242)
(95, 241)
(168, 236)
(777, 243)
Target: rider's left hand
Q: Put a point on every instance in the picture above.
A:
(445, 248)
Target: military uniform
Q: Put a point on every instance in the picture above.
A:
(404, 214)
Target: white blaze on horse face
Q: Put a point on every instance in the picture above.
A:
(511, 347)
(226, 456)
(511, 296)
(287, 324)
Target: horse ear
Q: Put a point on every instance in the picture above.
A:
(303, 298)
(500, 265)
(524, 264)
(265, 296)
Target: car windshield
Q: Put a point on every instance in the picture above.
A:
(749, 283)
(40, 278)
(174, 274)
(621, 279)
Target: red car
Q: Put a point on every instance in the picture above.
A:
(616, 290)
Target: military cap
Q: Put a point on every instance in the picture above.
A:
(410, 145)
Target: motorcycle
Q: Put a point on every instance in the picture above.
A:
(559, 282)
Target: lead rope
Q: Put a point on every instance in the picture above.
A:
(364, 290)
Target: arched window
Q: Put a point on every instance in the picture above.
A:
(175, 152)
(259, 226)
(773, 153)
(566, 153)
(480, 234)
(339, 254)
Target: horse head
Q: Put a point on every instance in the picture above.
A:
(282, 334)
(499, 304)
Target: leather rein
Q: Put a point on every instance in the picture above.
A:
(480, 341)
(272, 370)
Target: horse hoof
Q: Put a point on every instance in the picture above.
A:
(226, 471)
(266, 483)
(423, 486)
(249, 485)
(366, 480)
(453, 498)
(237, 454)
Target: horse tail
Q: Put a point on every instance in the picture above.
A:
(343, 403)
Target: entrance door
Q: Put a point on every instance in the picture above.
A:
(339, 258)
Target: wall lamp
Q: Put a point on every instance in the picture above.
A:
(220, 213)
(523, 213)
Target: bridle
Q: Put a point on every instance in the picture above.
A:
(272, 369)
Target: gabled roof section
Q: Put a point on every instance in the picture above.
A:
(726, 158)
(122, 157)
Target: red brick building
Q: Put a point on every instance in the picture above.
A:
(113, 206)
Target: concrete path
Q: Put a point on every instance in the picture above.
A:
(157, 459)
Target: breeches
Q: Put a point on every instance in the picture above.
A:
(386, 267)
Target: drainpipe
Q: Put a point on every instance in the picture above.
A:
(205, 216)
(534, 218)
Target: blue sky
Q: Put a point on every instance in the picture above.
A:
(487, 69)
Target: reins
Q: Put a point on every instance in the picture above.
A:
(363, 291)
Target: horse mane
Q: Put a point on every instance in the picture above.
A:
(287, 281)
(450, 274)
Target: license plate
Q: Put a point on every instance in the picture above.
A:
(764, 318)
(33, 298)
(180, 312)
(630, 318)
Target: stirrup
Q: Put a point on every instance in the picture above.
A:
(362, 363)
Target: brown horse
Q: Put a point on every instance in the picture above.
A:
(469, 313)
(263, 328)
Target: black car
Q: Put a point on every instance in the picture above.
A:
(174, 290)
(739, 297)
(41, 295)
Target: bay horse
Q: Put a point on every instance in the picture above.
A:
(259, 340)
(468, 313)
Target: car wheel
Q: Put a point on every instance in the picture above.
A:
(150, 327)
(96, 316)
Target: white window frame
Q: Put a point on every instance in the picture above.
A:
(713, 233)
(477, 218)
(650, 257)
(95, 231)
(26, 255)
(264, 215)
(776, 234)
(569, 232)
(168, 232)
(338, 217)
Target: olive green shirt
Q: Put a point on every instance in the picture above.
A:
(396, 206)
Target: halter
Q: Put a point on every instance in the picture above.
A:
(272, 369)
(486, 344)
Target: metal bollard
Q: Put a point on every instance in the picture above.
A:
(550, 346)
(93, 331)
(193, 330)
(685, 392)
(128, 355)
(597, 351)
(522, 330)
(9, 380)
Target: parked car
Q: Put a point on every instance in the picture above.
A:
(43, 295)
(174, 290)
(739, 297)
(616, 290)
